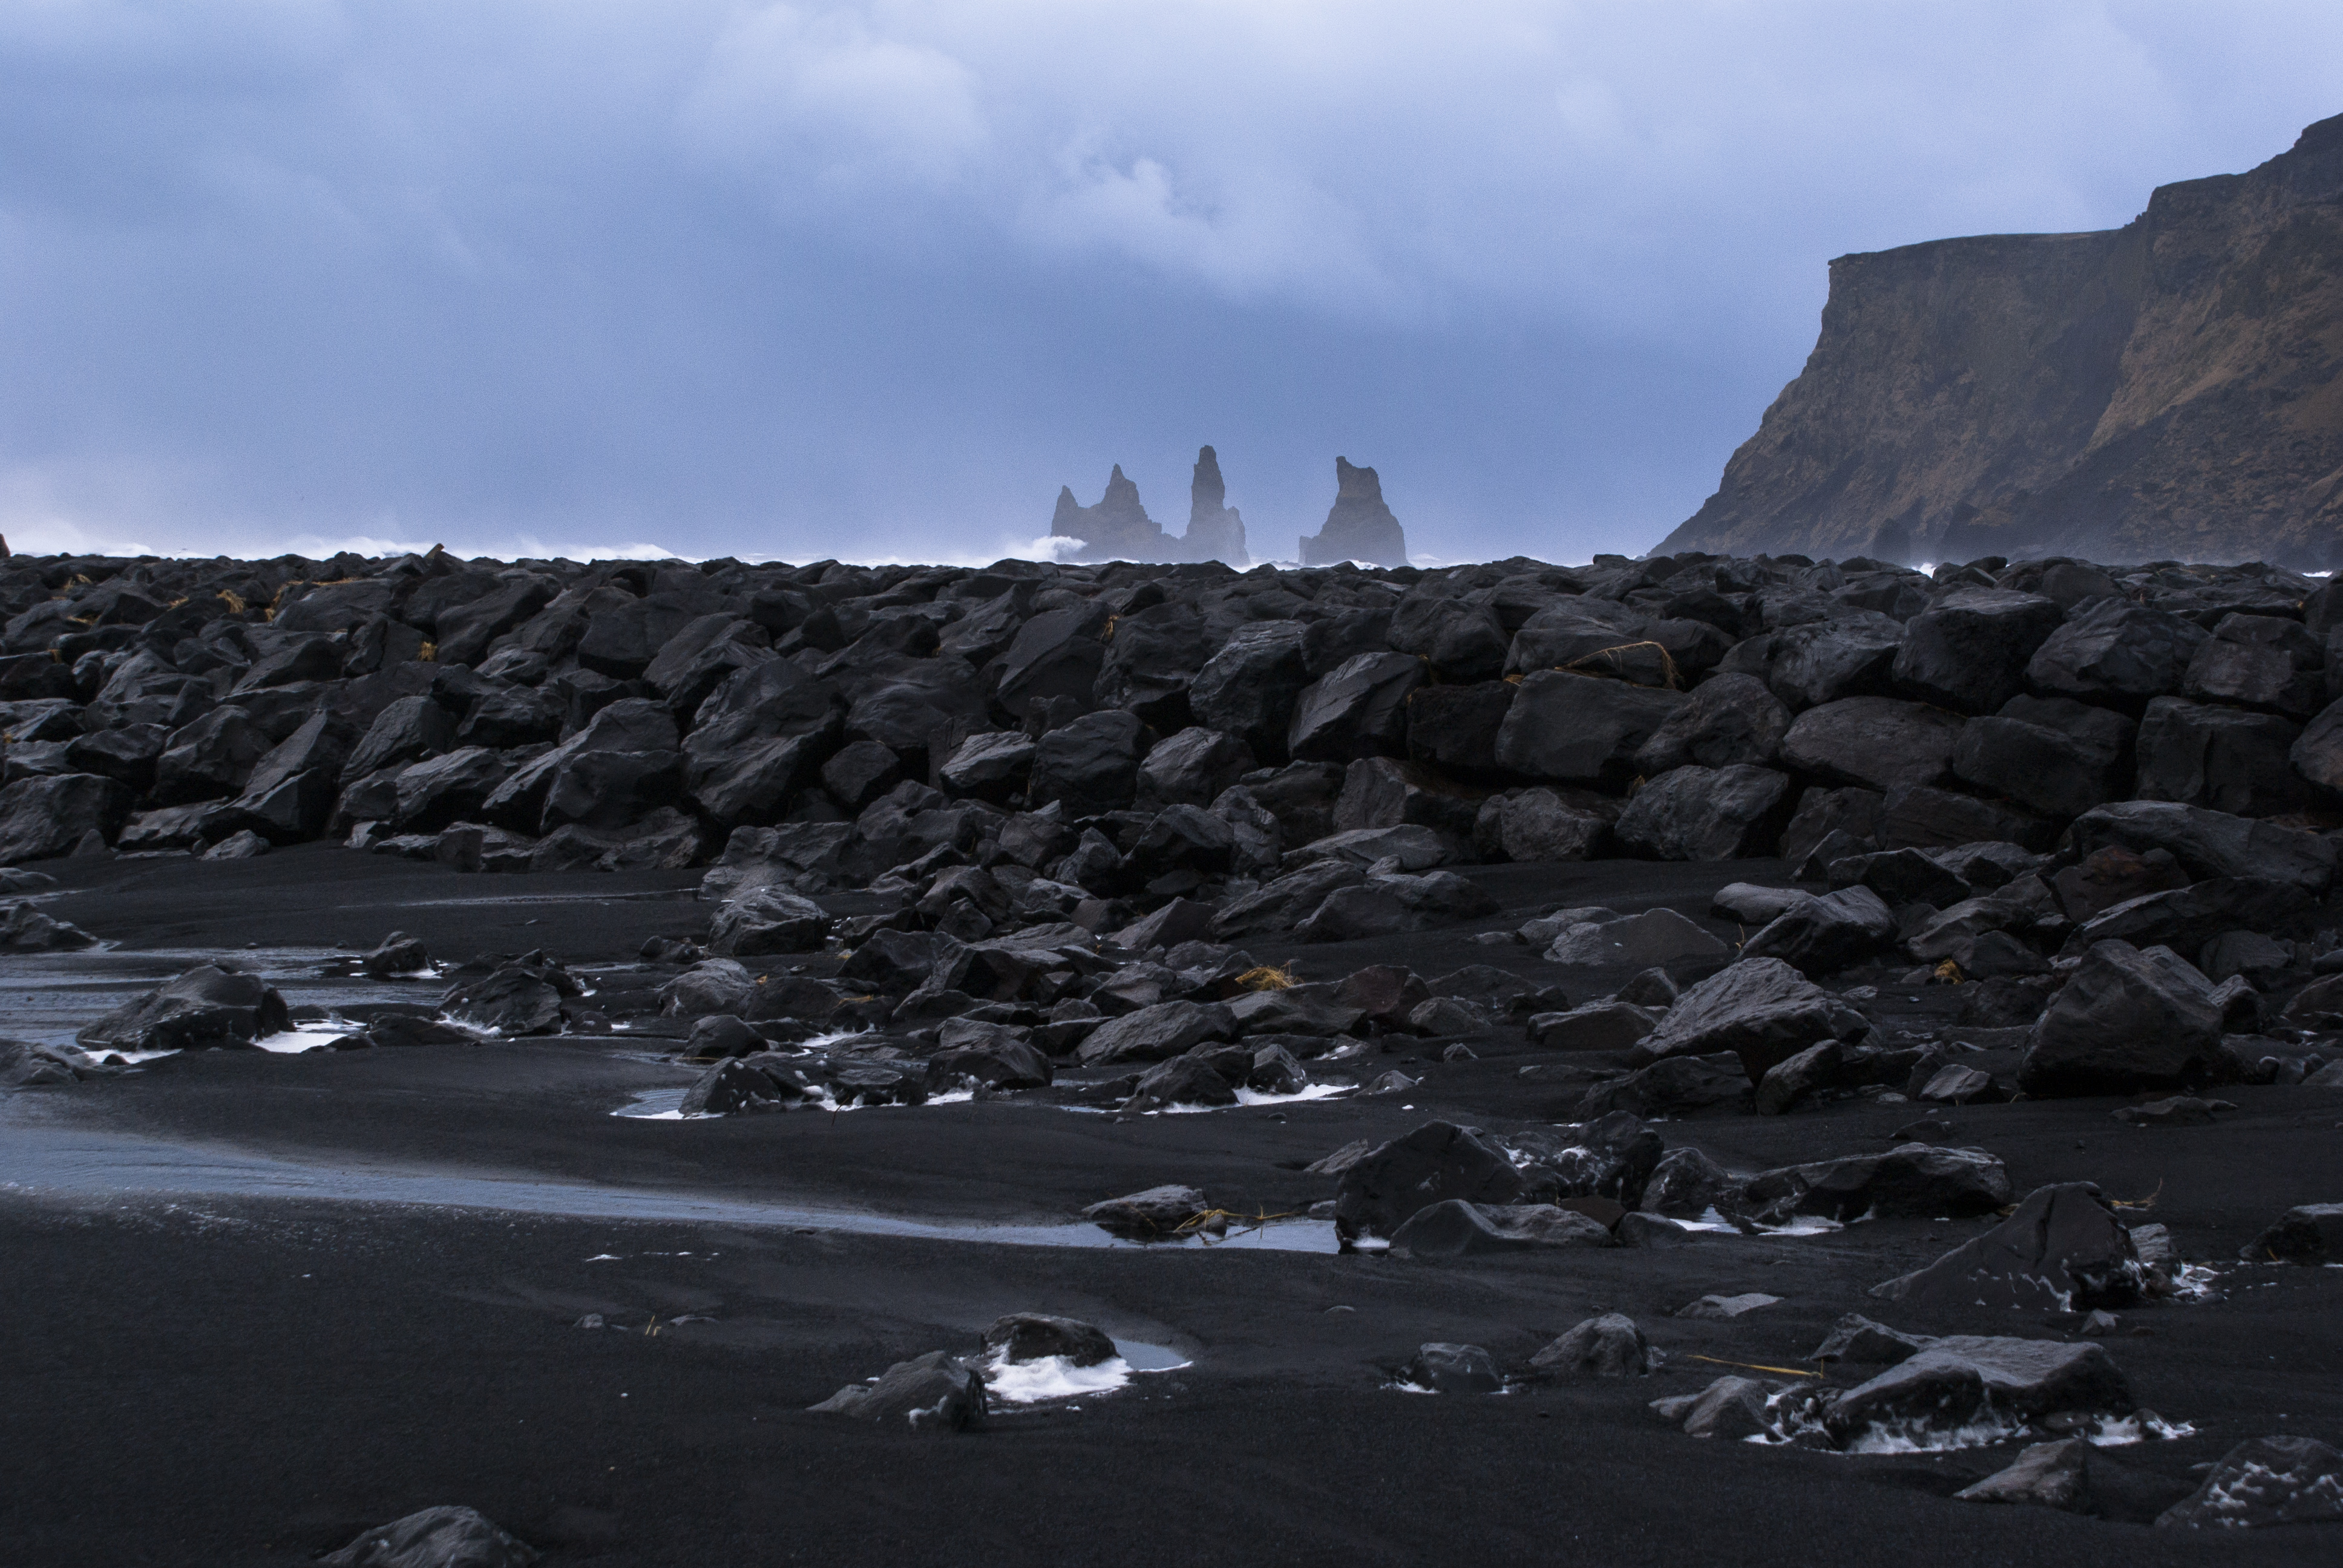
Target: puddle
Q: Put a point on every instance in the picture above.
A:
(36, 1160)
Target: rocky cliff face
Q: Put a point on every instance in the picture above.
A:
(1119, 529)
(1359, 526)
(2167, 389)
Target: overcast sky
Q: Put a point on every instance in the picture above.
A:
(873, 281)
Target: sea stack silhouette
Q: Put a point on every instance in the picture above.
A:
(1359, 526)
(1117, 527)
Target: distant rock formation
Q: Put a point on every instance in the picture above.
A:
(1359, 526)
(1215, 531)
(1119, 529)
(2169, 389)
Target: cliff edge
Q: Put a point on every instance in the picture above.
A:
(2169, 389)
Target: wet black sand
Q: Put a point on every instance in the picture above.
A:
(201, 1379)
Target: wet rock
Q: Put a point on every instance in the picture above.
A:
(1595, 1026)
(2222, 759)
(2129, 1020)
(2061, 1250)
(1384, 905)
(406, 730)
(936, 1393)
(1090, 765)
(1752, 904)
(2308, 1233)
(1453, 1228)
(1686, 1183)
(1157, 1033)
(1730, 721)
(1856, 1338)
(1358, 710)
(2074, 1476)
(1797, 1077)
(768, 920)
(2111, 875)
(1731, 1408)
(990, 766)
(1570, 728)
(43, 819)
(1969, 649)
(2177, 1111)
(1969, 1379)
(445, 1537)
(1824, 935)
(205, 1007)
(1655, 937)
(1248, 687)
(860, 772)
(2259, 661)
(1033, 1336)
(1432, 1164)
(1456, 727)
(2052, 755)
(1695, 813)
(1193, 767)
(1913, 1180)
(1155, 1214)
(738, 1086)
(1541, 825)
(1607, 1346)
(1877, 742)
(523, 997)
(2116, 653)
(2266, 1481)
(1384, 792)
(721, 1035)
(1454, 1369)
(1183, 1080)
(1831, 659)
(1727, 1306)
(1822, 812)
(1761, 1010)
(25, 928)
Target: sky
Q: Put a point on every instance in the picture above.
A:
(872, 281)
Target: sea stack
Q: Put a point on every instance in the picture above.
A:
(1215, 531)
(1359, 526)
(1117, 530)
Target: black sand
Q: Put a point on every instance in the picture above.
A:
(215, 1378)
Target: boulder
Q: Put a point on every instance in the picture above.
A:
(1607, 1346)
(1571, 728)
(1761, 1010)
(2190, 920)
(2284, 1479)
(1453, 1228)
(1856, 1338)
(2128, 1019)
(2210, 843)
(1034, 1336)
(2259, 661)
(1193, 767)
(768, 920)
(1686, 1182)
(26, 928)
(1596, 1026)
(2062, 1250)
(1434, 1163)
(2051, 755)
(2222, 759)
(1248, 688)
(1090, 765)
(1824, 935)
(1732, 1407)
(2116, 653)
(1729, 720)
(1912, 1181)
(1183, 1080)
(1968, 651)
(1854, 813)
(1832, 660)
(936, 1393)
(1156, 1212)
(1540, 825)
(444, 1537)
(1969, 1381)
(1456, 727)
(406, 731)
(2308, 1233)
(1878, 742)
(1453, 1368)
(992, 766)
(43, 817)
(1900, 877)
(1357, 710)
(205, 1007)
(523, 997)
(1155, 1034)
(1696, 813)
(1655, 937)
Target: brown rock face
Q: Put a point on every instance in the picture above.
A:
(2169, 389)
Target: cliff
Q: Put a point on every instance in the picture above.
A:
(1119, 529)
(2169, 389)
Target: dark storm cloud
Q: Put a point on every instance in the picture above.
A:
(873, 280)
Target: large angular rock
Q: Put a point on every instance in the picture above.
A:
(1607, 1346)
(1968, 651)
(2127, 1020)
(1155, 1034)
(1572, 729)
(2186, 919)
(1249, 686)
(1878, 742)
(1385, 792)
(1456, 727)
(1358, 710)
(1823, 936)
(1090, 765)
(406, 730)
(1761, 1010)
(1152, 656)
(1193, 767)
(1913, 1181)
(2265, 661)
(1729, 719)
(1654, 937)
(2062, 1250)
(1055, 657)
(2223, 758)
(768, 920)
(933, 1393)
(1592, 636)
(1540, 825)
(209, 759)
(205, 1007)
(1434, 1163)
(445, 1537)
(2052, 755)
(1695, 813)
(1281, 905)
(1822, 812)
(1456, 1229)
(1923, 817)
(2116, 653)
(43, 817)
(2210, 843)
(1830, 661)
(1964, 1381)
(2306, 1233)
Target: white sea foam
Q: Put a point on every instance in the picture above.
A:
(1051, 1377)
(1254, 1097)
